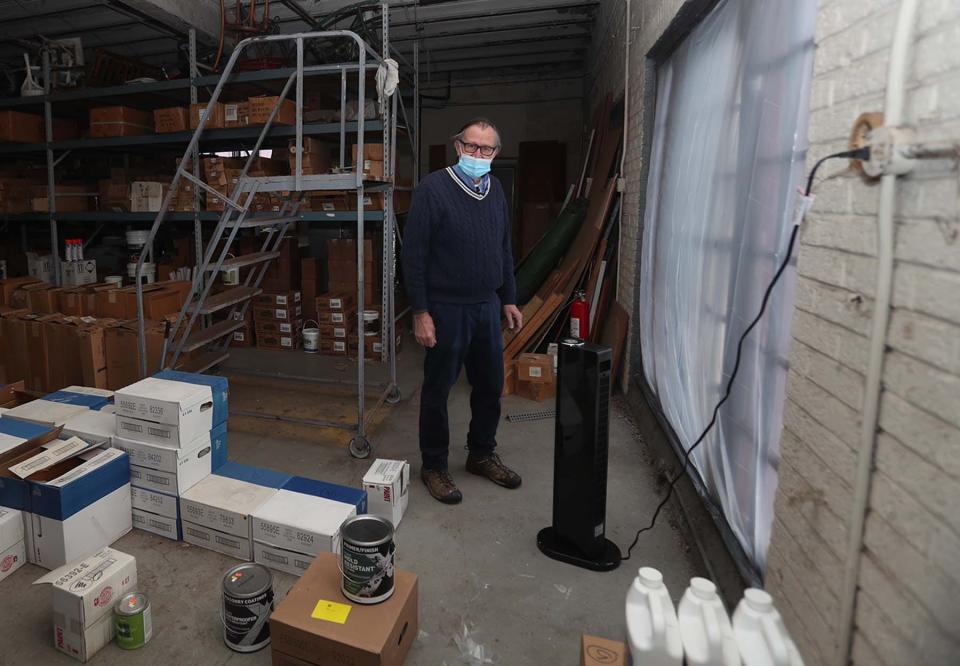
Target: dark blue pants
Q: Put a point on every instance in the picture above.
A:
(468, 335)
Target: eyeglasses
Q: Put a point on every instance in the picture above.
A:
(471, 148)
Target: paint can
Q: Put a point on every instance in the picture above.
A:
(133, 621)
(247, 604)
(311, 337)
(367, 554)
(116, 280)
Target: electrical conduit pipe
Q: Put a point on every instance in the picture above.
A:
(893, 117)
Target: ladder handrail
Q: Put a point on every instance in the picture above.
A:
(364, 50)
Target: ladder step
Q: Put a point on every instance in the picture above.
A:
(215, 332)
(203, 362)
(246, 260)
(226, 299)
(253, 222)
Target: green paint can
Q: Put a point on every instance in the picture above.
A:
(131, 618)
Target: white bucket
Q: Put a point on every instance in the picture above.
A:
(311, 337)
(371, 322)
(114, 279)
(149, 272)
(137, 239)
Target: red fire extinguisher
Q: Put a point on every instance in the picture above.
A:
(580, 317)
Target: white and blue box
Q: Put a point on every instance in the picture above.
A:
(331, 491)
(19, 441)
(219, 390)
(165, 412)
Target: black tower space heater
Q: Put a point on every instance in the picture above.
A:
(580, 460)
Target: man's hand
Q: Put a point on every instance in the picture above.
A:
(514, 317)
(424, 330)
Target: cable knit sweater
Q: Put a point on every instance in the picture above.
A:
(456, 246)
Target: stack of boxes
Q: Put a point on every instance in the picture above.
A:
(174, 428)
(337, 316)
(278, 320)
(342, 268)
(372, 162)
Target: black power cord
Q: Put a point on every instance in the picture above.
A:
(859, 153)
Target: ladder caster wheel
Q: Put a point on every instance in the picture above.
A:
(360, 447)
(394, 396)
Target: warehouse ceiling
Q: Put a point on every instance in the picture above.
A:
(458, 39)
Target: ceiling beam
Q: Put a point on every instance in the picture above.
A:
(487, 30)
(178, 15)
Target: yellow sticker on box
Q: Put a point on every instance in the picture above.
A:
(331, 611)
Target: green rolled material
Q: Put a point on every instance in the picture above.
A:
(548, 252)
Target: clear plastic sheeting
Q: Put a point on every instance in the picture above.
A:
(727, 158)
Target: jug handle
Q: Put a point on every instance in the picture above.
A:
(713, 625)
(657, 615)
(770, 626)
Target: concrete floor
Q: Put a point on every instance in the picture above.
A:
(479, 567)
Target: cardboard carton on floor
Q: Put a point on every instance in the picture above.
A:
(536, 391)
(203, 536)
(602, 652)
(315, 624)
(224, 500)
(301, 523)
(84, 594)
(13, 552)
(169, 528)
(219, 388)
(166, 469)
(186, 409)
(535, 368)
(280, 559)
(387, 483)
(93, 426)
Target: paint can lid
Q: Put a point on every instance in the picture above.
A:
(132, 604)
(572, 342)
(366, 530)
(247, 580)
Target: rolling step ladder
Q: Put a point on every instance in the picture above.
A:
(199, 337)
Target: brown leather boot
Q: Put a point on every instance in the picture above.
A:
(493, 468)
(441, 485)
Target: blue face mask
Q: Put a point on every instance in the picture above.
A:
(474, 167)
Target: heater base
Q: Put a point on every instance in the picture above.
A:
(555, 547)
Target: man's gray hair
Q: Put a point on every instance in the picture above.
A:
(483, 123)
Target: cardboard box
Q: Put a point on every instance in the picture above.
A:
(187, 407)
(147, 196)
(53, 543)
(79, 273)
(283, 274)
(13, 552)
(371, 201)
(170, 470)
(535, 368)
(119, 121)
(334, 347)
(219, 389)
(122, 303)
(316, 157)
(335, 302)
(536, 391)
(224, 500)
(336, 317)
(170, 528)
(287, 313)
(244, 337)
(279, 342)
(299, 522)
(387, 483)
(279, 559)
(345, 495)
(276, 327)
(92, 426)
(369, 635)
(172, 119)
(278, 299)
(221, 542)
(123, 351)
(21, 127)
(39, 267)
(10, 285)
(373, 170)
(20, 441)
(329, 202)
(262, 106)
(45, 413)
(151, 501)
(602, 652)
(236, 114)
(84, 594)
(215, 121)
(371, 151)
(44, 301)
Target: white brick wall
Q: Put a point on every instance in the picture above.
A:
(908, 604)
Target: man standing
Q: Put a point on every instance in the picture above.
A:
(458, 269)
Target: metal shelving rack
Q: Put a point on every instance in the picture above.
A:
(386, 125)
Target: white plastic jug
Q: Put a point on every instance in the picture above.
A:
(705, 628)
(652, 622)
(761, 635)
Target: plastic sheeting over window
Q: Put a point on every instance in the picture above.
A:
(727, 157)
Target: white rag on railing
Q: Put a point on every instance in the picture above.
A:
(388, 75)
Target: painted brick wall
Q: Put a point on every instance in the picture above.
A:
(909, 580)
(907, 605)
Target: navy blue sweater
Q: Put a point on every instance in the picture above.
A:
(456, 246)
